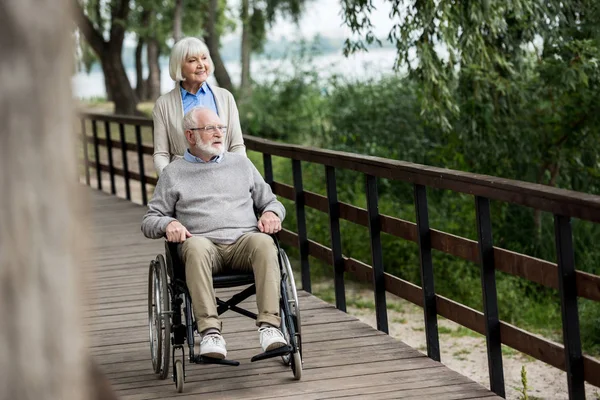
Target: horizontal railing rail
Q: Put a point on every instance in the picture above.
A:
(561, 276)
(545, 198)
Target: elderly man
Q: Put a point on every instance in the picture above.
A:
(207, 202)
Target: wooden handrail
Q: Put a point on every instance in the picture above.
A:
(546, 198)
(118, 119)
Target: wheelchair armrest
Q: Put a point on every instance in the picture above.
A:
(175, 267)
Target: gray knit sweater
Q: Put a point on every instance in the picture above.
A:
(213, 200)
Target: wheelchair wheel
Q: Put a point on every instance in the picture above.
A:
(179, 376)
(297, 365)
(159, 321)
(294, 308)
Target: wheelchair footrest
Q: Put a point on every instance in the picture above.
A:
(281, 351)
(210, 360)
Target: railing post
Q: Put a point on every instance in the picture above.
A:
(111, 165)
(568, 305)
(97, 154)
(427, 281)
(138, 142)
(490, 300)
(86, 157)
(301, 221)
(376, 253)
(336, 241)
(268, 164)
(125, 161)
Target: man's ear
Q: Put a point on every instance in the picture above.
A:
(189, 135)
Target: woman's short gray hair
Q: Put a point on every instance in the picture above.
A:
(186, 47)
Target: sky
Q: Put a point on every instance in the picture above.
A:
(324, 17)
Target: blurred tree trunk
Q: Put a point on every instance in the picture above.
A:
(140, 86)
(245, 86)
(41, 335)
(212, 41)
(153, 83)
(177, 20)
(109, 53)
(108, 90)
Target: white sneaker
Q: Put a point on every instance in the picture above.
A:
(271, 338)
(213, 345)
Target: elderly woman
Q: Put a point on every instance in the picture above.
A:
(189, 66)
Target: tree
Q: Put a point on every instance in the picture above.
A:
(177, 21)
(214, 12)
(91, 25)
(255, 16)
(512, 86)
(40, 270)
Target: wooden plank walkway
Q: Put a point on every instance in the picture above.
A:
(343, 357)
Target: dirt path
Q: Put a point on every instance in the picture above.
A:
(464, 350)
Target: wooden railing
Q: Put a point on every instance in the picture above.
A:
(141, 151)
(562, 276)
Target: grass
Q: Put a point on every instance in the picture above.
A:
(459, 354)
(508, 351)
(442, 330)
(395, 307)
(461, 331)
(360, 303)
(399, 320)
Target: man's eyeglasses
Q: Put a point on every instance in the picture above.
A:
(211, 129)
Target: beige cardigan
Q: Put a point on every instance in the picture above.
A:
(169, 139)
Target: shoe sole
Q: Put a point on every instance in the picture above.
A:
(275, 345)
(219, 356)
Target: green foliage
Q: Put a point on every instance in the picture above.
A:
(523, 390)
(478, 46)
(290, 108)
(384, 118)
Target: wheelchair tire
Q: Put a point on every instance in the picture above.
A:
(159, 314)
(179, 376)
(153, 317)
(294, 307)
(297, 365)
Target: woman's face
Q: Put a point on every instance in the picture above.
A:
(195, 69)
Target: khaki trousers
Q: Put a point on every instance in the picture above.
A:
(253, 251)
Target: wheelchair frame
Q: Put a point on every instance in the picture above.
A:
(168, 296)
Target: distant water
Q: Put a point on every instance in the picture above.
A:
(363, 66)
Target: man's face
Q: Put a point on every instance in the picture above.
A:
(209, 140)
(212, 146)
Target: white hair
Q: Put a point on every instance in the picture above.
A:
(189, 119)
(187, 47)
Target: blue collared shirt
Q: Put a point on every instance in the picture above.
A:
(203, 98)
(193, 159)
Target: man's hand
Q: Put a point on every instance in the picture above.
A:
(176, 232)
(269, 222)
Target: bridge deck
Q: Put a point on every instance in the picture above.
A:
(343, 357)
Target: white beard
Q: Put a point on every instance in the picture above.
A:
(207, 148)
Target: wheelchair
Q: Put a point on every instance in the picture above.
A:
(171, 319)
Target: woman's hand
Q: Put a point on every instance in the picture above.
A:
(269, 223)
(176, 232)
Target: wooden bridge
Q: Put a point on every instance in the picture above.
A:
(343, 357)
